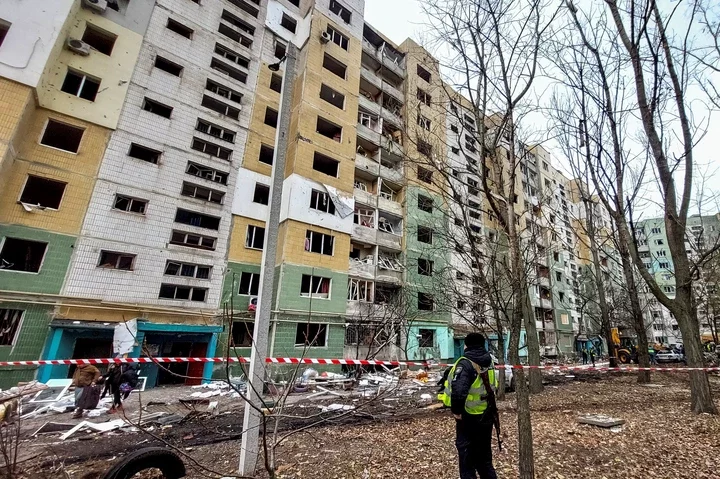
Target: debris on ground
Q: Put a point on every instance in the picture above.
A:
(600, 420)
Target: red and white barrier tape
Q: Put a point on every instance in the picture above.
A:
(337, 362)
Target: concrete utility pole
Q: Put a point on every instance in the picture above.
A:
(256, 373)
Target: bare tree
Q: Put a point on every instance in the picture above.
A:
(635, 54)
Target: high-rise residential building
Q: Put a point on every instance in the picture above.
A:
(65, 70)
(136, 147)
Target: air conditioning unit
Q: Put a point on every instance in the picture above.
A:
(78, 46)
(97, 5)
(325, 37)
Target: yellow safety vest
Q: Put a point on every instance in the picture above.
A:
(476, 402)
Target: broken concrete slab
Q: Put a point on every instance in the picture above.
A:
(600, 420)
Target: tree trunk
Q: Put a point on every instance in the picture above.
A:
(701, 400)
(500, 393)
(525, 440)
(533, 344)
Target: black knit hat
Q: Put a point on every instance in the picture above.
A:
(474, 340)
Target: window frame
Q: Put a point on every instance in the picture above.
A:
(310, 235)
(250, 239)
(120, 256)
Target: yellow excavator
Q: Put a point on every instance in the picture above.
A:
(625, 347)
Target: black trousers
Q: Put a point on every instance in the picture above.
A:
(473, 439)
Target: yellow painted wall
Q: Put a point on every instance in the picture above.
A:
(77, 170)
(237, 252)
(15, 100)
(115, 71)
(110, 315)
(291, 248)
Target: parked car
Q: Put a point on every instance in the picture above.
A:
(669, 356)
(509, 381)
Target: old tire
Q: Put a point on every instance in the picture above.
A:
(167, 461)
(624, 357)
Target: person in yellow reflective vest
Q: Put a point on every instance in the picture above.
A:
(473, 406)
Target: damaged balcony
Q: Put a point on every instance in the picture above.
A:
(368, 77)
(377, 50)
(364, 227)
(365, 189)
(392, 140)
(369, 128)
(391, 110)
(367, 158)
(388, 198)
(391, 167)
(389, 230)
(370, 97)
(389, 267)
(543, 274)
(362, 260)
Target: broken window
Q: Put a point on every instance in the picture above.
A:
(233, 34)
(423, 73)
(426, 302)
(280, 49)
(185, 293)
(266, 154)
(129, 204)
(158, 108)
(100, 40)
(325, 164)
(211, 149)
(223, 91)
(311, 335)
(206, 172)
(331, 96)
(62, 136)
(192, 240)
(249, 283)
(341, 11)
(315, 286)
(319, 243)
(425, 267)
(360, 290)
(424, 148)
(232, 72)
(114, 260)
(188, 270)
(389, 224)
(262, 194)
(424, 174)
(334, 66)
(22, 255)
(423, 96)
(244, 6)
(144, 153)
(338, 38)
(194, 218)
(425, 234)
(167, 66)
(271, 117)
(423, 123)
(242, 333)
(321, 201)
(10, 319)
(43, 192)
(389, 261)
(215, 130)
(364, 217)
(425, 203)
(276, 82)
(202, 193)
(220, 107)
(288, 23)
(387, 192)
(329, 129)
(229, 54)
(255, 237)
(179, 28)
(80, 85)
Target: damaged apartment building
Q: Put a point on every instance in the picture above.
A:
(136, 149)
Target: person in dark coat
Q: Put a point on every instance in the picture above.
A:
(129, 379)
(473, 431)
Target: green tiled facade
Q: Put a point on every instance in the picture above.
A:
(289, 299)
(54, 266)
(28, 344)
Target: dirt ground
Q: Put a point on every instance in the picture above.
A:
(398, 439)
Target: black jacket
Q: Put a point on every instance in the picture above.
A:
(465, 375)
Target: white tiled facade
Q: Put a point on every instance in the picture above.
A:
(148, 235)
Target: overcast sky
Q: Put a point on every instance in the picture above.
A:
(400, 19)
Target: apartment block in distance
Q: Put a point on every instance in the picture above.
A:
(65, 68)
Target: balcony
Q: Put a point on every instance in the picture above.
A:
(368, 134)
(391, 146)
(369, 104)
(362, 269)
(395, 65)
(364, 234)
(394, 175)
(368, 165)
(391, 117)
(544, 281)
(389, 276)
(389, 205)
(389, 240)
(365, 197)
(545, 303)
(381, 84)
